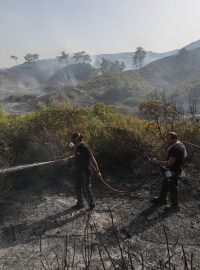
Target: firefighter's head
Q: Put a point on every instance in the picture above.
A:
(171, 138)
(77, 138)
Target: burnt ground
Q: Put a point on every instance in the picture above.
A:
(36, 219)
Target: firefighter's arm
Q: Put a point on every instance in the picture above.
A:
(167, 163)
(95, 165)
(64, 160)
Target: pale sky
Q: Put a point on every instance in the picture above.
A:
(47, 27)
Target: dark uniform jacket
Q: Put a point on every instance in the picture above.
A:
(178, 151)
(83, 157)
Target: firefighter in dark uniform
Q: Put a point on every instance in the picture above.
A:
(83, 160)
(176, 154)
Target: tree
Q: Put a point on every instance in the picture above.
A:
(64, 57)
(182, 55)
(82, 57)
(30, 58)
(139, 57)
(104, 66)
(117, 66)
(108, 66)
(15, 58)
(122, 66)
(161, 113)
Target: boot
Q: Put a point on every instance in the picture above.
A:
(92, 206)
(172, 208)
(78, 206)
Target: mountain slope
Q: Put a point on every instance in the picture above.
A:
(42, 76)
(126, 57)
(125, 90)
(193, 45)
(82, 85)
(170, 70)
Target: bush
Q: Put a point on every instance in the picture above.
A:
(115, 138)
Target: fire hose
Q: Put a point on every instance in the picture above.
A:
(100, 177)
(103, 180)
(162, 168)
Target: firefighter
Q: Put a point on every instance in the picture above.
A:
(175, 159)
(83, 171)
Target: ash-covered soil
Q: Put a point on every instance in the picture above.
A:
(38, 228)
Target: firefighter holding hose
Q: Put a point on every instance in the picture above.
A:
(174, 163)
(84, 162)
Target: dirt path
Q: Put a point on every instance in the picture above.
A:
(26, 216)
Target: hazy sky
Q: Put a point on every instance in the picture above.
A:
(96, 26)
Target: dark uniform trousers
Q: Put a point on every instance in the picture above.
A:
(170, 185)
(83, 186)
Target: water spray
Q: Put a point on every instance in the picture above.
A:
(28, 166)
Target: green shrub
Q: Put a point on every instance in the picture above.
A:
(115, 138)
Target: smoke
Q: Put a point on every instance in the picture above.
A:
(17, 85)
(32, 78)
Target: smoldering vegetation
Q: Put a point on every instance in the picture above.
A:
(40, 229)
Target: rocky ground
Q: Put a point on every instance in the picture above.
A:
(39, 226)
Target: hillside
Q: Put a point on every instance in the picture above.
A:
(127, 57)
(84, 88)
(83, 85)
(37, 76)
(126, 88)
(23, 86)
(173, 69)
(193, 45)
(12, 83)
(178, 75)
